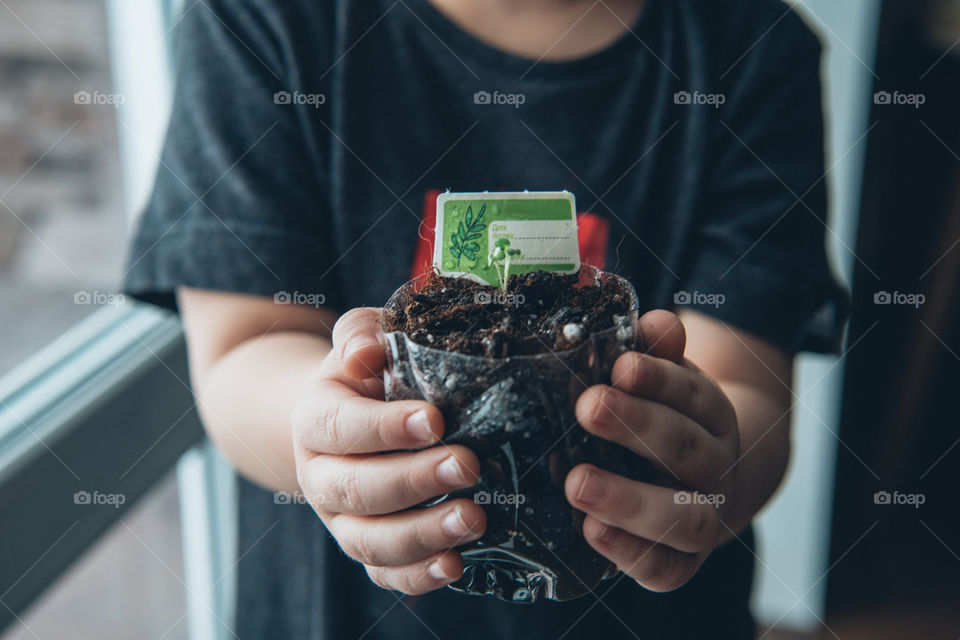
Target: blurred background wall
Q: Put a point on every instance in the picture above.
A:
(901, 415)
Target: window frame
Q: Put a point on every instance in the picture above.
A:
(108, 408)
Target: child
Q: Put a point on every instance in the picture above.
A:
(308, 142)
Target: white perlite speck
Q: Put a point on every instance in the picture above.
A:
(572, 331)
(624, 330)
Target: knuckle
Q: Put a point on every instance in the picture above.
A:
(684, 446)
(703, 393)
(368, 549)
(638, 502)
(357, 546)
(349, 490)
(420, 539)
(323, 423)
(694, 388)
(383, 428)
(643, 418)
(420, 536)
(419, 483)
(698, 397)
(655, 376)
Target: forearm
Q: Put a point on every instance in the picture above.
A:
(764, 421)
(245, 399)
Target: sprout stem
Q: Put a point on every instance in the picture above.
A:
(506, 274)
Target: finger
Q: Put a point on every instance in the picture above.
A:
(643, 509)
(687, 390)
(403, 538)
(671, 441)
(655, 566)
(420, 577)
(662, 334)
(379, 484)
(337, 420)
(359, 343)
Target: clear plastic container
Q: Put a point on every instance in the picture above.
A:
(517, 415)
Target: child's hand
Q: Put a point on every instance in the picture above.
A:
(666, 410)
(340, 426)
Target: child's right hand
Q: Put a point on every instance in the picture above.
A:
(340, 427)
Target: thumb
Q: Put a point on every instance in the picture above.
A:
(662, 335)
(359, 343)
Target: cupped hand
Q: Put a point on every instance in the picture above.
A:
(665, 409)
(362, 462)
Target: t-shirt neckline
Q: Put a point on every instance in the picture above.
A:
(471, 49)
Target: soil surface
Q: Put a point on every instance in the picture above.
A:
(540, 312)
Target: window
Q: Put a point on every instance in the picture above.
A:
(95, 409)
(61, 208)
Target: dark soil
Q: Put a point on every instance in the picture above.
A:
(540, 312)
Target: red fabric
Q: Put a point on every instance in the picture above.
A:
(593, 232)
(423, 256)
(592, 235)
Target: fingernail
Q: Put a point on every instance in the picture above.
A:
(592, 489)
(436, 572)
(355, 344)
(418, 427)
(454, 525)
(450, 473)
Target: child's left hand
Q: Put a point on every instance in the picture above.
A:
(665, 409)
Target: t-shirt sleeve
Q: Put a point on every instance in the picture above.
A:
(758, 258)
(240, 202)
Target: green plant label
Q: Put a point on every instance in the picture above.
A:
(486, 236)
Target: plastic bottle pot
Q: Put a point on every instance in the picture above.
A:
(517, 415)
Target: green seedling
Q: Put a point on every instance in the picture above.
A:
(502, 253)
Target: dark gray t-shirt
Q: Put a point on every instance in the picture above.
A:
(309, 137)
